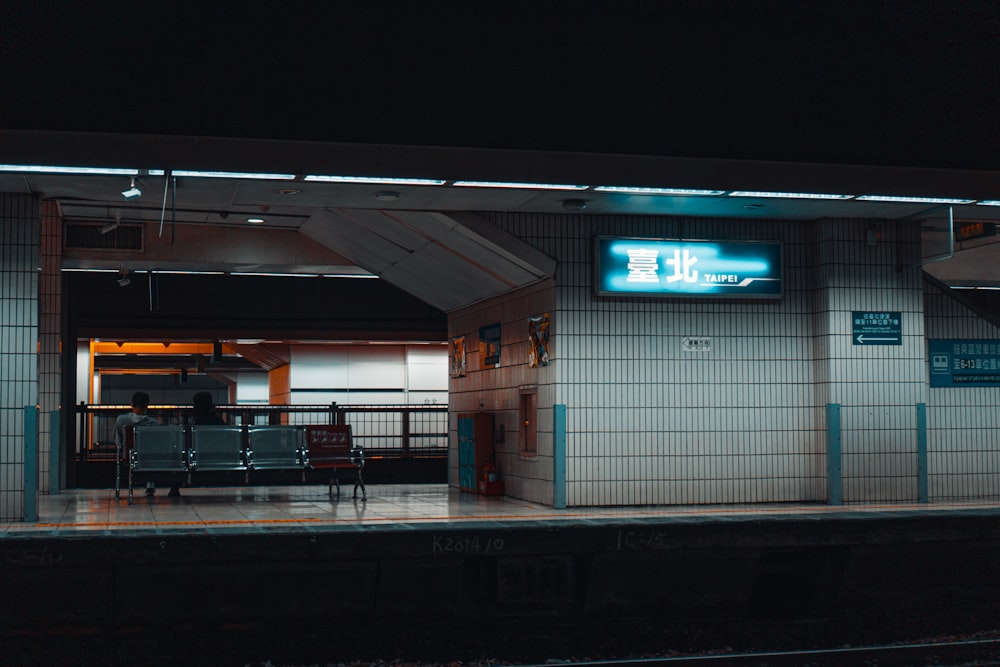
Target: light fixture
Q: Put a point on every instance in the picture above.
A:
(574, 204)
(519, 186)
(373, 180)
(787, 195)
(676, 192)
(51, 169)
(233, 174)
(387, 195)
(914, 200)
(255, 221)
(133, 192)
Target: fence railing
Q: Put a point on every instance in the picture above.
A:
(385, 431)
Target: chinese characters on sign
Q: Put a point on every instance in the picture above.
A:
(876, 328)
(651, 267)
(964, 363)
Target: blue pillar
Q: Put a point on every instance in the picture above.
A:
(559, 455)
(922, 490)
(55, 446)
(834, 473)
(30, 463)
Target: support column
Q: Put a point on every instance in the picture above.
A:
(51, 463)
(20, 235)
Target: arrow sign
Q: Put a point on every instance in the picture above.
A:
(876, 327)
(878, 340)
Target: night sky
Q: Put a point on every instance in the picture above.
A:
(895, 82)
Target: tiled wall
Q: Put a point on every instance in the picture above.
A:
(963, 423)
(876, 386)
(19, 261)
(498, 390)
(651, 423)
(49, 307)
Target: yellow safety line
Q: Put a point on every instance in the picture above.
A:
(492, 517)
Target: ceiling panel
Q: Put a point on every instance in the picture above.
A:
(447, 261)
(444, 280)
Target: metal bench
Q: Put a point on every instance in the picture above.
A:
(331, 447)
(275, 448)
(156, 449)
(190, 449)
(217, 448)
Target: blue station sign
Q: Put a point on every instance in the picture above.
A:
(662, 267)
(964, 363)
(876, 328)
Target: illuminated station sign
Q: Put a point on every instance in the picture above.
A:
(704, 269)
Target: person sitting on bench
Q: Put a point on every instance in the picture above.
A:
(137, 417)
(204, 410)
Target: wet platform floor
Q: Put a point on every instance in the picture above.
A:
(259, 509)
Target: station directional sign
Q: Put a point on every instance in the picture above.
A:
(876, 328)
(964, 363)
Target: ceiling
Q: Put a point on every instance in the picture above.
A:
(417, 235)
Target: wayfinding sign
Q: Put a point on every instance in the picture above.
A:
(704, 269)
(876, 328)
(964, 363)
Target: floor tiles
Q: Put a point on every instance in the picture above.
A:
(282, 508)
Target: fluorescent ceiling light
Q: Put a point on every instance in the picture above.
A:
(681, 192)
(787, 195)
(523, 186)
(373, 180)
(914, 200)
(349, 275)
(234, 174)
(275, 275)
(45, 169)
(988, 202)
(76, 270)
(191, 273)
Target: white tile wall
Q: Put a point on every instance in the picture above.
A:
(20, 237)
(650, 423)
(963, 423)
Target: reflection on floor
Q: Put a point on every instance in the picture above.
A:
(291, 508)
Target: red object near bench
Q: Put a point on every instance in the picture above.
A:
(331, 447)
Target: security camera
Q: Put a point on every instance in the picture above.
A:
(133, 192)
(124, 281)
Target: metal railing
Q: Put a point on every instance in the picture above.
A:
(385, 431)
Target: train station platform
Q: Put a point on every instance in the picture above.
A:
(287, 574)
